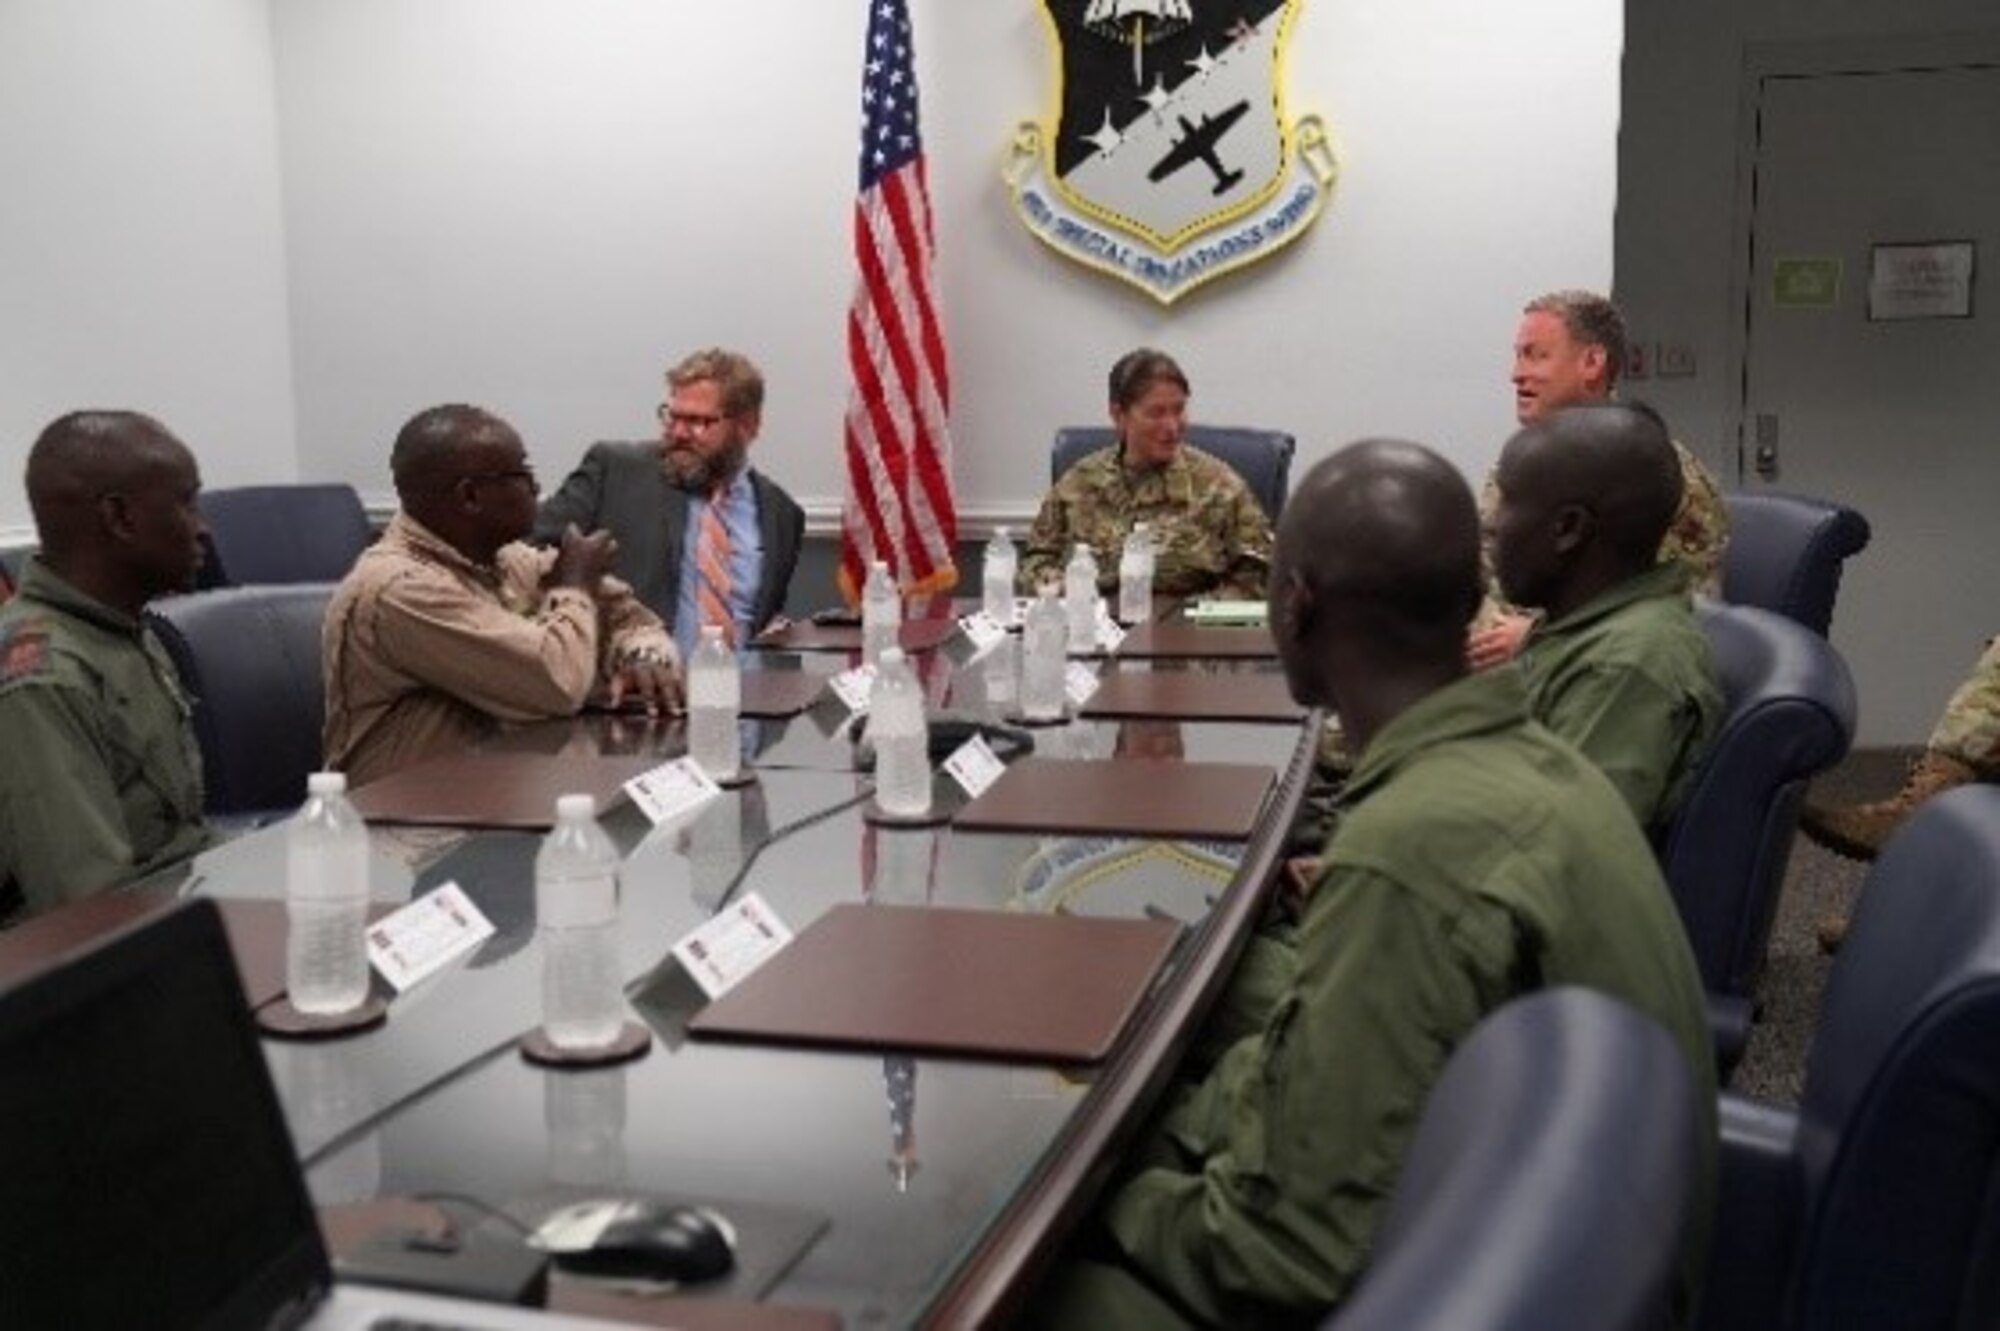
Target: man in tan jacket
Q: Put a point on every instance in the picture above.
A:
(449, 626)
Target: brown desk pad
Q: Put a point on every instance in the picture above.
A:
(1177, 638)
(1144, 797)
(1048, 988)
(777, 694)
(497, 787)
(1193, 695)
(915, 635)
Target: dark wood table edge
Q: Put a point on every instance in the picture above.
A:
(1007, 1264)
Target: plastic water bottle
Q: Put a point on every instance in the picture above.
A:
(1044, 657)
(715, 699)
(1135, 576)
(902, 739)
(1080, 599)
(326, 900)
(576, 911)
(881, 613)
(997, 578)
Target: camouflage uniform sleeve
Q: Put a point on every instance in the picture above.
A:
(1489, 504)
(62, 832)
(1700, 531)
(1249, 573)
(1047, 545)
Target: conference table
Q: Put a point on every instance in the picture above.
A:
(879, 1185)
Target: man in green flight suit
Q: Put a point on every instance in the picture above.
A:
(1477, 857)
(100, 776)
(1616, 663)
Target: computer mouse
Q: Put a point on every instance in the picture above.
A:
(656, 1241)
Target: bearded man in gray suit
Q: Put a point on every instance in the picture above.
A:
(703, 537)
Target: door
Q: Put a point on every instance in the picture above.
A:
(1899, 418)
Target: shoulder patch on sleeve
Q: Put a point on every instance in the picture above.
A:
(24, 649)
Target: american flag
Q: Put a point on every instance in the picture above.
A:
(899, 503)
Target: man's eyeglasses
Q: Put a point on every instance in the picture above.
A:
(688, 420)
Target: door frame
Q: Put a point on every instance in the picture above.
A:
(1767, 60)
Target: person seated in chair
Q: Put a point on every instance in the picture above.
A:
(1964, 747)
(450, 626)
(1477, 857)
(1616, 663)
(1209, 531)
(100, 774)
(703, 536)
(1569, 348)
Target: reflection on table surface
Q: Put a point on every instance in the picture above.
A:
(909, 1160)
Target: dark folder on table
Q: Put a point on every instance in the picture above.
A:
(1193, 695)
(774, 695)
(1050, 988)
(497, 787)
(914, 635)
(1140, 797)
(1185, 640)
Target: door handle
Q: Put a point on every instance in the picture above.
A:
(1764, 459)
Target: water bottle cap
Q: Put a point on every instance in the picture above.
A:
(882, 564)
(891, 656)
(326, 783)
(711, 633)
(575, 808)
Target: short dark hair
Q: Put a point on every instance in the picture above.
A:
(1136, 371)
(1590, 319)
(429, 441)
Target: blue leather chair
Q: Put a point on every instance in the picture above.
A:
(282, 533)
(1789, 716)
(1785, 553)
(1263, 458)
(1549, 1182)
(250, 656)
(1876, 1203)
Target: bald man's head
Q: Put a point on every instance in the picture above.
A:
(113, 494)
(464, 474)
(1377, 556)
(1587, 492)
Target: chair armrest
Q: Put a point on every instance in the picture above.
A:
(1758, 1217)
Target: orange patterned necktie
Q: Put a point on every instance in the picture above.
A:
(711, 557)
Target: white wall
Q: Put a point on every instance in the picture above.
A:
(1679, 217)
(141, 256)
(285, 225)
(536, 204)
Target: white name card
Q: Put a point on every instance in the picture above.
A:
(743, 936)
(1110, 633)
(852, 687)
(974, 766)
(983, 631)
(425, 936)
(671, 789)
(1079, 682)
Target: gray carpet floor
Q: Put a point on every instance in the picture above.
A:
(1817, 883)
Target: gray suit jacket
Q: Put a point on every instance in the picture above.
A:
(621, 488)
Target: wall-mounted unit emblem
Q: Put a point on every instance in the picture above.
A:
(1168, 159)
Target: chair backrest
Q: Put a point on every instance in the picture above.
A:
(283, 533)
(1789, 714)
(1899, 1120)
(1549, 1180)
(1785, 553)
(1263, 458)
(251, 658)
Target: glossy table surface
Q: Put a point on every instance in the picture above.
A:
(921, 1168)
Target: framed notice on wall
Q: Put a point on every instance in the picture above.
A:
(1927, 281)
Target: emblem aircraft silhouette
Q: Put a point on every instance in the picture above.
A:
(1198, 143)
